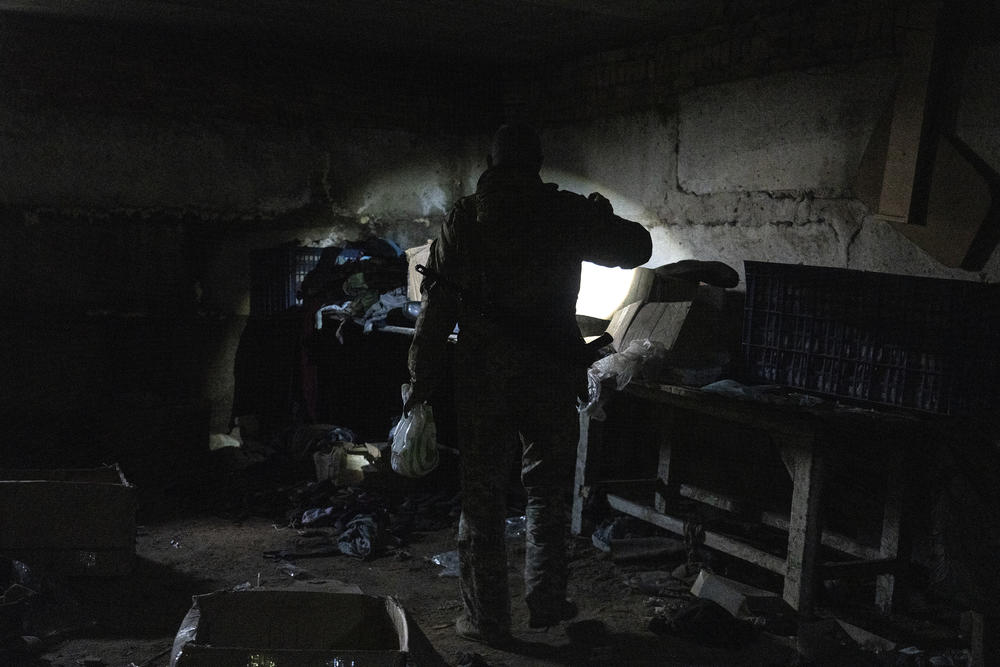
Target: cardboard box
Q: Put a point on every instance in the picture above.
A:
(75, 522)
(688, 320)
(295, 628)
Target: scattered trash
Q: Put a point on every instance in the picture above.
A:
(731, 595)
(515, 527)
(358, 539)
(218, 441)
(319, 516)
(328, 464)
(310, 438)
(343, 463)
(448, 561)
(707, 623)
(659, 583)
(294, 571)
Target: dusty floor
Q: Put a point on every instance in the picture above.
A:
(133, 620)
(218, 543)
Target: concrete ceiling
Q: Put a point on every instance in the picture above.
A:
(476, 32)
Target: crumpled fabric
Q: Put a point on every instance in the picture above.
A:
(358, 539)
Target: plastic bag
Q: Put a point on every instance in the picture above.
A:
(414, 441)
(449, 561)
(620, 367)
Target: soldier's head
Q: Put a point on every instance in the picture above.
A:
(516, 145)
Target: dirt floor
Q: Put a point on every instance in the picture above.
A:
(239, 536)
(133, 620)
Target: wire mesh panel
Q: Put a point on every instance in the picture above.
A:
(275, 276)
(924, 343)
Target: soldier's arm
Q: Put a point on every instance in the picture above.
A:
(607, 239)
(438, 314)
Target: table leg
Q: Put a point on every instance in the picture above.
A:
(664, 436)
(804, 528)
(587, 452)
(892, 518)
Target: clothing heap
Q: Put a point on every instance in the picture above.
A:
(363, 282)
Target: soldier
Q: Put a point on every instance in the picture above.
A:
(506, 269)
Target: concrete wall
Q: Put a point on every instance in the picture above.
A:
(761, 169)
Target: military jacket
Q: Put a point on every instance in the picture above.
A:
(509, 259)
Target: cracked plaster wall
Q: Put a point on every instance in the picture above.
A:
(759, 169)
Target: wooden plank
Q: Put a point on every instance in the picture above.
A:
(721, 501)
(835, 541)
(785, 420)
(659, 322)
(803, 527)
(711, 539)
(620, 322)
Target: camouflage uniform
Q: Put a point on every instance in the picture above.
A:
(509, 259)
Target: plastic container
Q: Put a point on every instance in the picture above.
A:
(912, 342)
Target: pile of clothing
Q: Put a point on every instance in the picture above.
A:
(364, 282)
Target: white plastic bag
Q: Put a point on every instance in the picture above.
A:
(414, 440)
(621, 367)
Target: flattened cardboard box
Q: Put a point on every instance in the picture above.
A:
(289, 628)
(74, 521)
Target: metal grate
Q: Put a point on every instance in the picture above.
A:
(275, 277)
(923, 343)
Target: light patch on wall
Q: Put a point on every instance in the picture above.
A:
(667, 249)
(602, 290)
(412, 192)
(625, 207)
(433, 198)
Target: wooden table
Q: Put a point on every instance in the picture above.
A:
(808, 439)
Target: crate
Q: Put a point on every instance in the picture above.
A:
(70, 521)
(275, 277)
(876, 338)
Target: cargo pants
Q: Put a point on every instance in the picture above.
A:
(535, 418)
